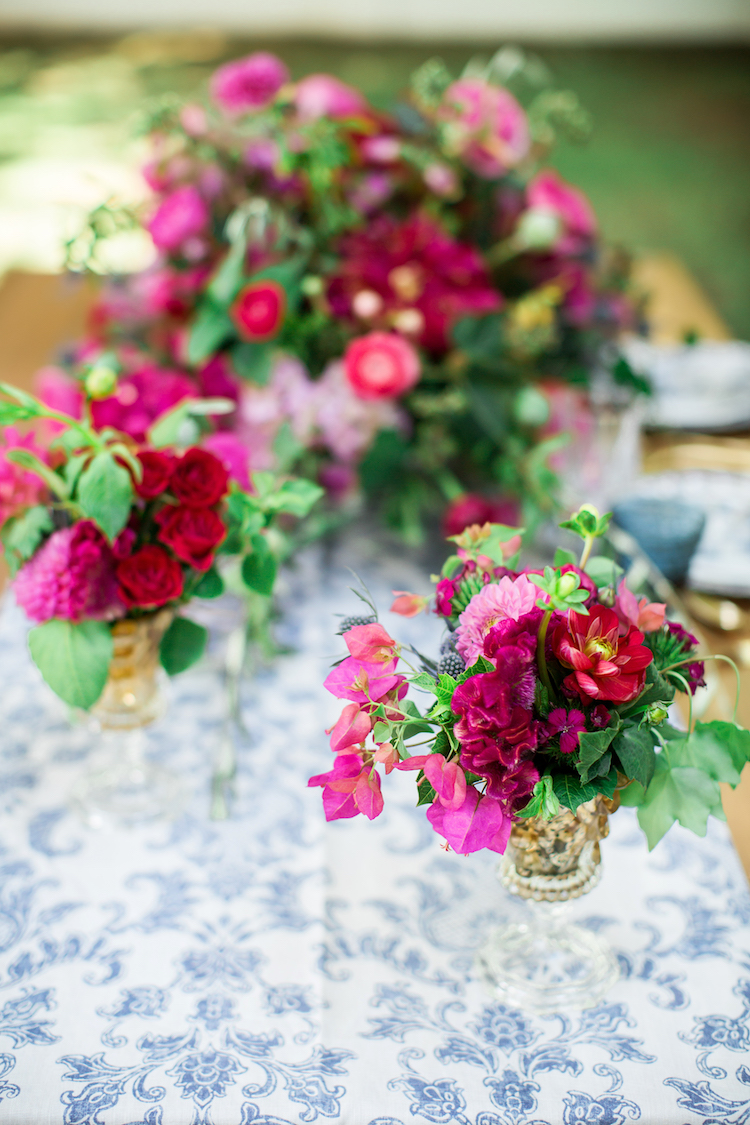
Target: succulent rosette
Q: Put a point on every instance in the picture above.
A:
(552, 687)
(98, 526)
(432, 252)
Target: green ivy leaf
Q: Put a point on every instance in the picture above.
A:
(634, 747)
(259, 568)
(425, 793)
(73, 658)
(720, 750)
(592, 746)
(182, 645)
(680, 793)
(477, 669)
(571, 792)
(426, 681)
(211, 328)
(105, 493)
(253, 362)
(21, 536)
(544, 801)
(211, 585)
(658, 690)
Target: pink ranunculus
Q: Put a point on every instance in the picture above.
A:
(351, 729)
(479, 822)
(248, 84)
(549, 192)
(370, 643)
(362, 681)
(644, 615)
(485, 125)
(322, 95)
(181, 216)
(233, 454)
(381, 365)
(19, 489)
(510, 598)
(141, 398)
(72, 577)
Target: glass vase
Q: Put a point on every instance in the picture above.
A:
(124, 786)
(546, 963)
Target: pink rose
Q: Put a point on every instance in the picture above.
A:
(179, 217)
(322, 95)
(381, 365)
(550, 193)
(485, 125)
(248, 84)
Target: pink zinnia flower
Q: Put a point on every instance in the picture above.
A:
(550, 193)
(381, 365)
(248, 84)
(322, 95)
(566, 725)
(72, 576)
(485, 125)
(18, 488)
(509, 598)
(179, 217)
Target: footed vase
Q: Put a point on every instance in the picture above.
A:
(546, 963)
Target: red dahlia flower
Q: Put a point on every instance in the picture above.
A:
(605, 665)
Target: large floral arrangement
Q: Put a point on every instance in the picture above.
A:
(410, 302)
(553, 686)
(97, 526)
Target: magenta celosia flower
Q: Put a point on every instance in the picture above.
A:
(509, 598)
(350, 788)
(248, 84)
(18, 488)
(485, 126)
(644, 615)
(322, 95)
(479, 822)
(411, 276)
(566, 725)
(381, 365)
(141, 398)
(549, 192)
(180, 216)
(72, 576)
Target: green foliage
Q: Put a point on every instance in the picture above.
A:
(383, 461)
(21, 536)
(425, 793)
(587, 522)
(657, 690)
(105, 493)
(296, 497)
(211, 328)
(182, 645)
(571, 792)
(593, 746)
(624, 374)
(634, 746)
(564, 557)
(179, 426)
(73, 658)
(253, 362)
(259, 567)
(603, 571)
(564, 591)
(544, 801)
(211, 585)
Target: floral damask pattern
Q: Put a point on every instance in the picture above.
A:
(272, 970)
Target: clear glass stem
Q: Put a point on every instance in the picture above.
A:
(223, 778)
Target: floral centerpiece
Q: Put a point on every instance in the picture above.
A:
(416, 299)
(548, 708)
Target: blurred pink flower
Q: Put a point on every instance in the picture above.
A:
(59, 391)
(381, 365)
(72, 576)
(142, 397)
(383, 148)
(343, 421)
(485, 125)
(179, 217)
(233, 454)
(193, 119)
(549, 192)
(18, 488)
(498, 601)
(479, 822)
(322, 95)
(441, 179)
(645, 615)
(371, 192)
(248, 84)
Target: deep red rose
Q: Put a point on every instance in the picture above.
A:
(199, 479)
(258, 310)
(148, 578)
(605, 665)
(192, 533)
(157, 471)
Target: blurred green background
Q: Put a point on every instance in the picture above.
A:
(667, 166)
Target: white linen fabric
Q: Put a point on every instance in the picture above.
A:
(273, 969)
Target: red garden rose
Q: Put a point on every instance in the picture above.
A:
(199, 479)
(258, 310)
(157, 471)
(149, 578)
(605, 665)
(192, 533)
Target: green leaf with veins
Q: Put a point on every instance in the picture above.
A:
(634, 747)
(22, 535)
(105, 493)
(544, 801)
(572, 792)
(681, 793)
(73, 658)
(592, 745)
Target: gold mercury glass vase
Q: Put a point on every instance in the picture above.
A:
(546, 963)
(124, 786)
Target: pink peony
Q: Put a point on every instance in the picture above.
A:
(19, 489)
(72, 576)
(248, 84)
(550, 193)
(140, 399)
(509, 598)
(179, 217)
(322, 95)
(381, 365)
(480, 822)
(485, 125)
(644, 615)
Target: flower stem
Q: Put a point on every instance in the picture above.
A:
(588, 543)
(541, 659)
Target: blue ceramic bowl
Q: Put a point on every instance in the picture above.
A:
(666, 530)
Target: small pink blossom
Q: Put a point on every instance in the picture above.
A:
(233, 454)
(362, 681)
(19, 489)
(349, 789)
(381, 365)
(370, 643)
(72, 576)
(509, 598)
(645, 615)
(387, 755)
(485, 125)
(479, 822)
(179, 217)
(567, 725)
(549, 192)
(441, 179)
(408, 605)
(248, 84)
(381, 149)
(322, 95)
(447, 779)
(193, 119)
(352, 728)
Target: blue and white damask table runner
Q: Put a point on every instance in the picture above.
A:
(273, 969)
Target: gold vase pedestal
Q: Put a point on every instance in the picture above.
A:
(546, 963)
(124, 786)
